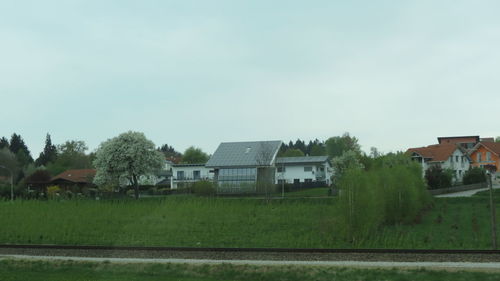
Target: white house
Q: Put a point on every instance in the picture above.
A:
(446, 156)
(189, 173)
(307, 169)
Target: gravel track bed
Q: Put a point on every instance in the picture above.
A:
(272, 256)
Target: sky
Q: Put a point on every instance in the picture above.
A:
(395, 74)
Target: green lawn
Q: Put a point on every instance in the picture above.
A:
(310, 192)
(18, 270)
(453, 223)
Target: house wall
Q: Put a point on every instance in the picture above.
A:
(459, 167)
(495, 160)
(296, 171)
(459, 163)
(189, 175)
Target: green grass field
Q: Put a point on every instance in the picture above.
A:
(18, 270)
(453, 223)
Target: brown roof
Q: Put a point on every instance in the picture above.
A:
(460, 139)
(493, 146)
(436, 152)
(76, 176)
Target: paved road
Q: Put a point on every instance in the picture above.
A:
(467, 193)
(475, 266)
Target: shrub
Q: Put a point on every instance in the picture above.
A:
(438, 178)
(474, 175)
(385, 195)
(203, 188)
(53, 191)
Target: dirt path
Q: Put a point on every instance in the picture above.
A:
(470, 266)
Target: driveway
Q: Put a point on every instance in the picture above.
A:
(467, 193)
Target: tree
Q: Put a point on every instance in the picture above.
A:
(438, 178)
(292, 152)
(169, 151)
(4, 142)
(127, 156)
(10, 166)
(348, 161)
(194, 155)
(497, 139)
(474, 175)
(317, 149)
(336, 146)
(49, 153)
(71, 155)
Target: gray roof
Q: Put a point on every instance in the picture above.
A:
(244, 154)
(188, 165)
(301, 160)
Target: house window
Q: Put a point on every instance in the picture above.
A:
(479, 157)
(281, 181)
(456, 158)
(296, 181)
(180, 175)
(308, 180)
(308, 169)
(281, 169)
(196, 175)
(488, 156)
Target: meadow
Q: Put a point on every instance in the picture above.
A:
(452, 223)
(19, 270)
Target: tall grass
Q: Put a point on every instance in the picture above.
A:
(382, 196)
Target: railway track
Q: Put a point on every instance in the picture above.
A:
(277, 254)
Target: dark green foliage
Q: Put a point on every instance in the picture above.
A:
(203, 188)
(437, 178)
(169, 151)
(336, 146)
(4, 142)
(292, 152)
(385, 195)
(71, 155)
(194, 155)
(313, 148)
(49, 153)
(474, 175)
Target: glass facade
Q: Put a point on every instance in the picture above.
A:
(236, 180)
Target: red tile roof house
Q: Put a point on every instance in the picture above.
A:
(74, 180)
(486, 153)
(447, 156)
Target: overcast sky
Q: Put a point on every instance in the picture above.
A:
(395, 74)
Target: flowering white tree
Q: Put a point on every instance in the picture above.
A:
(127, 156)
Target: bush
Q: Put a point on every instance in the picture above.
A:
(438, 178)
(385, 195)
(53, 191)
(203, 188)
(475, 175)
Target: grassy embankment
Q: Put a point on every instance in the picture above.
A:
(453, 223)
(11, 270)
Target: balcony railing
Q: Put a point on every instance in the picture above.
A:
(191, 178)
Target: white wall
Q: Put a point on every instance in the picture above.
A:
(189, 174)
(459, 167)
(296, 171)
